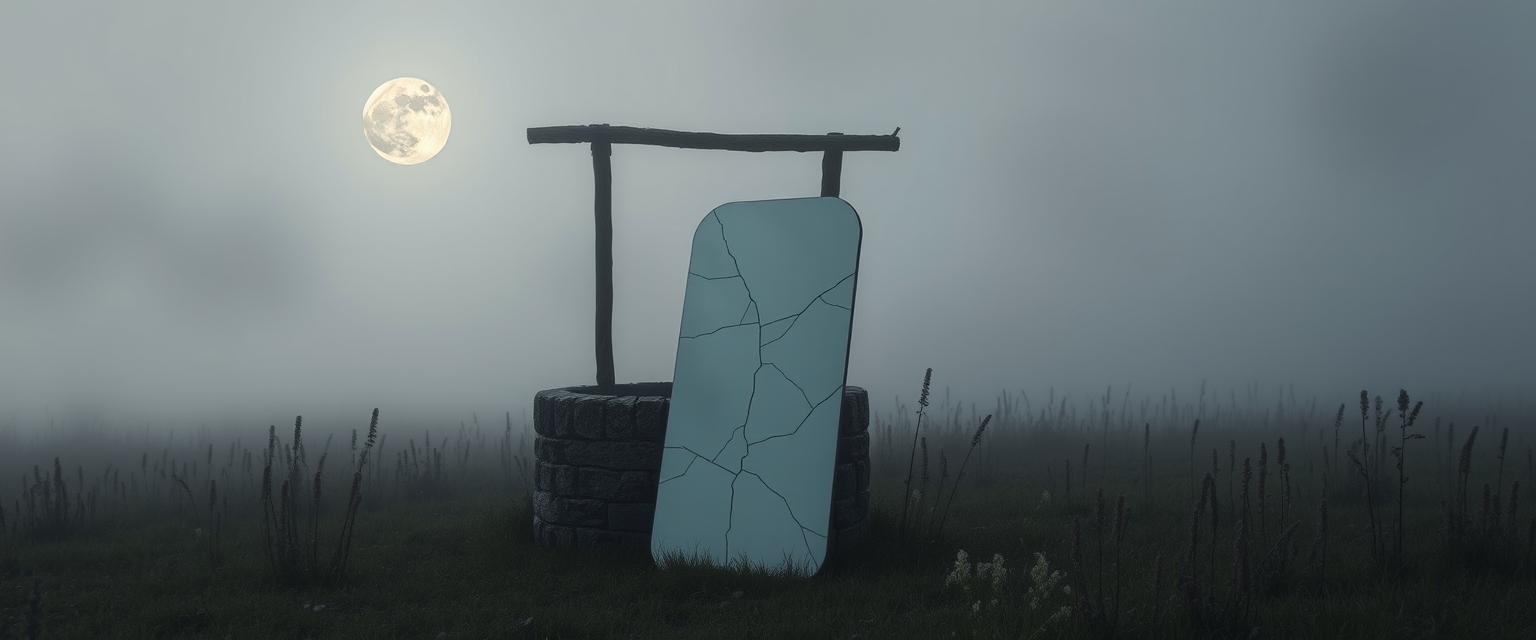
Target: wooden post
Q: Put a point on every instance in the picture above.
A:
(831, 171)
(602, 172)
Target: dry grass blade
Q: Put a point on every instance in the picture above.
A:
(975, 440)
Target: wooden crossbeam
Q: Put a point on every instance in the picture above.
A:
(720, 141)
(602, 137)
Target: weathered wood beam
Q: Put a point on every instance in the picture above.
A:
(721, 141)
(602, 172)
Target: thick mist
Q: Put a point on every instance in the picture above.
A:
(1302, 200)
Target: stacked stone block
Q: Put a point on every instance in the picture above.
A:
(598, 460)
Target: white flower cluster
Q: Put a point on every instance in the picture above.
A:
(992, 573)
(1043, 583)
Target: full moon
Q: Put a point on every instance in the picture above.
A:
(406, 121)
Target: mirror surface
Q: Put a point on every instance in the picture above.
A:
(762, 356)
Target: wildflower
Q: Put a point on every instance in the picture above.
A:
(1043, 582)
(962, 572)
(993, 569)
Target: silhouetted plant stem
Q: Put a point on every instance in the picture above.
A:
(906, 496)
(975, 439)
(355, 500)
(1363, 463)
(1407, 419)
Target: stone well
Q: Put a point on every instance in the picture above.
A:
(598, 460)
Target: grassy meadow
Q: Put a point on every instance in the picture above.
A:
(1088, 518)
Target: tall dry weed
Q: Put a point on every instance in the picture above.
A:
(911, 458)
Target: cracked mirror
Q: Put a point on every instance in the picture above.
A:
(762, 356)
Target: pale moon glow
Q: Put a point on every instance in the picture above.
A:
(406, 121)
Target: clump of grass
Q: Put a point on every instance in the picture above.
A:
(47, 507)
(293, 558)
(280, 531)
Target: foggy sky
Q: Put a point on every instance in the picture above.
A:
(193, 228)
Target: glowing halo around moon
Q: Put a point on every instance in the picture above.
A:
(406, 121)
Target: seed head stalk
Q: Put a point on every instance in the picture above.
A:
(912, 456)
(1407, 419)
(975, 440)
